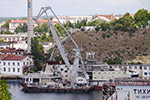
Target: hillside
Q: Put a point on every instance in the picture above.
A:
(113, 44)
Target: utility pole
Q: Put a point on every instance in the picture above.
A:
(30, 25)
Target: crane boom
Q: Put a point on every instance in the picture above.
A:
(61, 49)
(78, 57)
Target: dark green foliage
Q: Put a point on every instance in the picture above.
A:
(125, 23)
(6, 25)
(115, 60)
(6, 32)
(4, 92)
(42, 28)
(144, 32)
(58, 58)
(104, 35)
(21, 28)
(69, 24)
(36, 50)
(142, 17)
(79, 24)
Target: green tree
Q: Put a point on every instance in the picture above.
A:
(4, 92)
(21, 28)
(115, 60)
(36, 50)
(2, 40)
(125, 23)
(142, 17)
(6, 25)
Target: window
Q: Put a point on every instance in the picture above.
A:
(99, 73)
(66, 71)
(80, 79)
(18, 69)
(8, 63)
(4, 63)
(4, 69)
(140, 67)
(130, 67)
(13, 69)
(18, 64)
(135, 67)
(8, 69)
(24, 63)
(145, 67)
(145, 73)
(13, 64)
(27, 63)
(61, 69)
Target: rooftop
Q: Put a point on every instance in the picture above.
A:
(12, 57)
(25, 21)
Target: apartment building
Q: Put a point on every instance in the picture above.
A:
(14, 64)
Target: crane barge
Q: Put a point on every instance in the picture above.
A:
(77, 80)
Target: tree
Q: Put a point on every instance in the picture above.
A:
(6, 25)
(36, 50)
(21, 28)
(115, 60)
(125, 23)
(4, 92)
(2, 40)
(142, 17)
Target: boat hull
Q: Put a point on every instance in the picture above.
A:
(57, 90)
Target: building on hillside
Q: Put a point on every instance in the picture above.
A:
(106, 17)
(13, 51)
(146, 71)
(73, 19)
(132, 15)
(102, 73)
(13, 37)
(14, 64)
(15, 23)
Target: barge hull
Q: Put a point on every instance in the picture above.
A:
(56, 90)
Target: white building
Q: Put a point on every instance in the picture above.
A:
(146, 71)
(15, 23)
(13, 37)
(73, 19)
(14, 64)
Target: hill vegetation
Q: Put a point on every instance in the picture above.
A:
(114, 47)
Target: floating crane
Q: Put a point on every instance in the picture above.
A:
(77, 58)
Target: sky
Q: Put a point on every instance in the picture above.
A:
(18, 8)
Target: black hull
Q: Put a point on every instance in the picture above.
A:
(56, 90)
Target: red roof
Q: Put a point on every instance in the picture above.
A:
(8, 51)
(19, 21)
(110, 17)
(2, 56)
(14, 57)
(25, 21)
(11, 50)
(130, 15)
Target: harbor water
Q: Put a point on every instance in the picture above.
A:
(18, 94)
